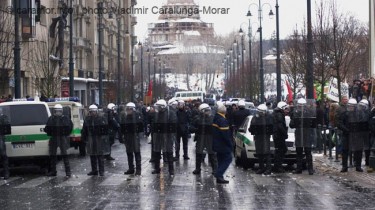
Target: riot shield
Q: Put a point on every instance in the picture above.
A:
(305, 114)
(261, 125)
(358, 118)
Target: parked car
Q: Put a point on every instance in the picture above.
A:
(245, 155)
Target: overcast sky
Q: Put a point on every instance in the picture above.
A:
(292, 14)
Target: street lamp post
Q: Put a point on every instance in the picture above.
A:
(71, 63)
(140, 44)
(261, 68)
(100, 49)
(155, 73)
(149, 65)
(118, 61)
(17, 52)
(132, 69)
(278, 61)
(310, 64)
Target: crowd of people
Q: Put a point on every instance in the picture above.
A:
(169, 123)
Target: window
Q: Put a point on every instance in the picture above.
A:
(30, 114)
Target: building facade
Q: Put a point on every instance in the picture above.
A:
(41, 65)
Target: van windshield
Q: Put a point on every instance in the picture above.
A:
(30, 114)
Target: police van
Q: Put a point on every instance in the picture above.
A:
(75, 111)
(27, 140)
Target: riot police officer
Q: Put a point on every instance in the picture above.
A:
(5, 129)
(132, 129)
(163, 128)
(354, 123)
(202, 126)
(363, 105)
(303, 119)
(240, 115)
(261, 127)
(280, 134)
(113, 127)
(95, 134)
(59, 128)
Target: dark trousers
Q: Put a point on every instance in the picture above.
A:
(280, 150)
(223, 162)
(95, 161)
(308, 154)
(4, 159)
(131, 156)
(184, 144)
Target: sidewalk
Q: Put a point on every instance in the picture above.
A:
(332, 167)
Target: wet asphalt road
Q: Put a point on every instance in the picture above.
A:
(28, 189)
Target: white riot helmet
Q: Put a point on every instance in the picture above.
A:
(161, 105)
(181, 103)
(364, 102)
(58, 110)
(282, 105)
(352, 104)
(301, 102)
(352, 101)
(204, 108)
(111, 106)
(93, 109)
(241, 103)
(129, 107)
(171, 101)
(262, 108)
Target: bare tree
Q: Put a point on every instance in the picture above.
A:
(322, 37)
(6, 49)
(345, 48)
(46, 73)
(294, 61)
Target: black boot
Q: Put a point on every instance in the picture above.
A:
(138, 160)
(367, 157)
(177, 157)
(130, 163)
(94, 165)
(170, 163)
(299, 151)
(198, 162)
(185, 148)
(68, 173)
(309, 161)
(213, 161)
(268, 165)
(345, 154)
(52, 171)
(358, 161)
(157, 156)
(5, 166)
(101, 165)
(261, 169)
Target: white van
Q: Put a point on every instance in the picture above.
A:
(189, 95)
(74, 110)
(28, 119)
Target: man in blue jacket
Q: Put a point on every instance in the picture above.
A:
(222, 143)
